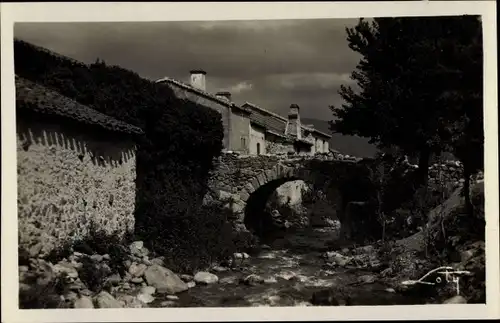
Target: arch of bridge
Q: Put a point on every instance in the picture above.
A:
(236, 178)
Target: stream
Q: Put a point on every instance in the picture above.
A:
(293, 270)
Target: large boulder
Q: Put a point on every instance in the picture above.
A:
(206, 278)
(164, 280)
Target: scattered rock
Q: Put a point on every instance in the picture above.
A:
(172, 298)
(130, 301)
(137, 249)
(204, 277)
(114, 279)
(219, 269)
(145, 298)
(35, 250)
(148, 290)
(96, 258)
(127, 263)
(241, 255)
(164, 280)
(71, 296)
(135, 246)
(137, 270)
(76, 285)
(106, 300)
(365, 249)
(83, 302)
(85, 292)
(106, 257)
(168, 303)
(191, 284)
(65, 268)
(253, 280)
(137, 280)
(287, 275)
(337, 259)
(386, 272)
(157, 261)
(366, 279)
(186, 278)
(456, 300)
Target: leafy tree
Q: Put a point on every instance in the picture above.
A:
(417, 77)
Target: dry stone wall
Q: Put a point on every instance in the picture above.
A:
(68, 180)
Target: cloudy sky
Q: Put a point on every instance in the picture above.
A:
(269, 63)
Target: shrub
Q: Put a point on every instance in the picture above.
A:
(195, 240)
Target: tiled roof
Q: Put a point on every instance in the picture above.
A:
(34, 97)
(273, 121)
(267, 119)
(200, 92)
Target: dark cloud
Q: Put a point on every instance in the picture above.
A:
(269, 63)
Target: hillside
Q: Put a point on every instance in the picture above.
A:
(350, 145)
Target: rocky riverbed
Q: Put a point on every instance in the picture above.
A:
(284, 273)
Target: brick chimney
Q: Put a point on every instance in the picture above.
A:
(224, 95)
(293, 126)
(198, 79)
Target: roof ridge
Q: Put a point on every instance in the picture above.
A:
(265, 110)
(183, 84)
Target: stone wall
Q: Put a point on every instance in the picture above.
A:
(278, 146)
(240, 138)
(257, 141)
(68, 178)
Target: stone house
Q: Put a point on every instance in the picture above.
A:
(76, 167)
(249, 129)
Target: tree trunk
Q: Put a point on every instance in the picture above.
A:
(423, 167)
(468, 203)
(422, 183)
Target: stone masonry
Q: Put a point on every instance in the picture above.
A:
(237, 178)
(76, 168)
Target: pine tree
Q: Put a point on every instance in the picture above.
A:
(418, 88)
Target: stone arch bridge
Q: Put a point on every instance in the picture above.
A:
(244, 183)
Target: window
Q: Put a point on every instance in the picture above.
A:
(258, 148)
(243, 142)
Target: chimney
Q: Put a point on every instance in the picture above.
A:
(198, 79)
(294, 127)
(224, 95)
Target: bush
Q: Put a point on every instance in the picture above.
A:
(193, 241)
